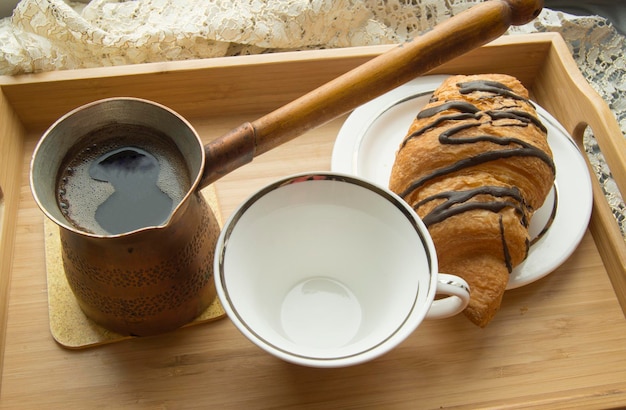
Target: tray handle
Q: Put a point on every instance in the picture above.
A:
(585, 107)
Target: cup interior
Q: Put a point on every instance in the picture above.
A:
(324, 268)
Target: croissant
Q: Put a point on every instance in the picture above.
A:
(475, 165)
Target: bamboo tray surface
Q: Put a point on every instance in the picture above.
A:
(557, 343)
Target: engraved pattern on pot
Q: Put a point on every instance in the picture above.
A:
(197, 253)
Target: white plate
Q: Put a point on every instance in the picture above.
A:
(366, 146)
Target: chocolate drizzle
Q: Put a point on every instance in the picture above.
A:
(493, 198)
(520, 149)
(505, 247)
(457, 202)
(469, 111)
(461, 106)
(521, 116)
(492, 87)
(437, 122)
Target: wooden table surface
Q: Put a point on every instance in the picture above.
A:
(559, 342)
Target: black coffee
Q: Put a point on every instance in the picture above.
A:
(121, 178)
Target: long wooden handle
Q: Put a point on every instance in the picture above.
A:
(470, 29)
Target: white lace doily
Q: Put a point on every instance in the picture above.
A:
(46, 35)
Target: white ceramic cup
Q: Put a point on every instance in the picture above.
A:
(328, 270)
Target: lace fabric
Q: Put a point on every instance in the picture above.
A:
(47, 35)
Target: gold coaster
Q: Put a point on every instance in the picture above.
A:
(68, 324)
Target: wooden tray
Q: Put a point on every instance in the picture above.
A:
(559, 342)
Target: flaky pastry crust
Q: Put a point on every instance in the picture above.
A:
(475, 165)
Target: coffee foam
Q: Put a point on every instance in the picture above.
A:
(79, 195)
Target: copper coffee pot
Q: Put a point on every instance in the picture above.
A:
(158, 278)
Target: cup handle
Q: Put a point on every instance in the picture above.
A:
(458, 292)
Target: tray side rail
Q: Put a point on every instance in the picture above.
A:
(578, 106)
(242, 84)
(11, 155)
